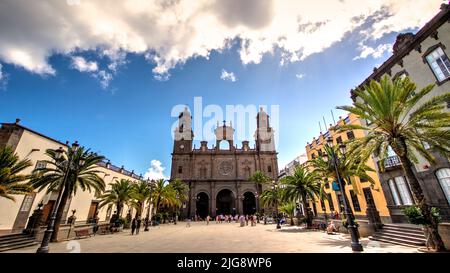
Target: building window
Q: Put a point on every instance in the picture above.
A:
(313, 156)
(269, 169)
(341, 201)
(355, 201)
(27, 202)
(368, 196)
(439, 63)
(180, 169)
(400, 191)
(322, 204)
(40, 165)
(347, 120)
(443, 176)
(339, 140)
(330, 201)
(362, 180)
(350, 135)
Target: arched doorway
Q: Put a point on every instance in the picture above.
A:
(249, 203)
(225, 202)
(202, 206)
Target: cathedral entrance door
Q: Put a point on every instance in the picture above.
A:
(249, 203)
(202, 206)
(225, 202)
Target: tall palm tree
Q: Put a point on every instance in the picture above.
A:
(289, 209)
(140, 193)
(348, 166)
(260, 179)
(82, 172)
(399, 121)
(10, 179)
(164, 195)
(301, 186)
(272, 197)
(181, 190)
(120, 194)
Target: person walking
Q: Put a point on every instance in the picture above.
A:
(138, 225)
(242, 220)
(207, 220)
(133, 226)
(246, 220)
(188, 223)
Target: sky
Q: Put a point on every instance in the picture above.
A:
(114, 74)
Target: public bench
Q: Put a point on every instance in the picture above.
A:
(82, 233)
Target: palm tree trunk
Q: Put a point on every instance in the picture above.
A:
(59, 214)
(419, 198)
(306, 212)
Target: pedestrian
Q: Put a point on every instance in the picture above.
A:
(188, 223)
(246, 220)
(242, 220)
(138, 225)
(207, 220)
(133, 226)
(95, 228)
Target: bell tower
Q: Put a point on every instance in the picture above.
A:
(183, 133)
(264, 135)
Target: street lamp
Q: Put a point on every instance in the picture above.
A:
(60, 161)
(353, 230)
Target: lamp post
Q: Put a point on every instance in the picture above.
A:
(60, 161)
(353, 230)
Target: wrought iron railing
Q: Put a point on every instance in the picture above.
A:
(391, 162)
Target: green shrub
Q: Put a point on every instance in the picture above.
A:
(415, 216)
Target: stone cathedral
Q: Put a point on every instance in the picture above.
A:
(218, 177)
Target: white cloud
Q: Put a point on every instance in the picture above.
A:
(3, 78)
(156, 170)
(300, 76)
(168, 33)
(374, 52)
(228, 76)
(80, 64)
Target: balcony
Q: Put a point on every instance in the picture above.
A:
(391, 162)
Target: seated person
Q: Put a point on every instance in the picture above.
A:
(331, 228)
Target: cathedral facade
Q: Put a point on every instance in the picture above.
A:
(218, 177)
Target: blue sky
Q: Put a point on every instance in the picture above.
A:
(128, 119)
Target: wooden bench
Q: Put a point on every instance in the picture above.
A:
(82, 233)
(103, 229)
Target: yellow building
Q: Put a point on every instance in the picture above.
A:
(29, 144)
(364, 191)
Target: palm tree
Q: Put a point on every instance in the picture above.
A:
(10, 179)
(120, 194)
(82, 172)
(289, 209)
(180, 189)
(399, 121)
(301, 186)
(139, 194)
(349, 167)
(260, 179)
(164, 195)
(272, 197)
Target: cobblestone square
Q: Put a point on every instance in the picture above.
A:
(219, 238)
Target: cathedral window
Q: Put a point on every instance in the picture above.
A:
(180, 169)
(269, 169)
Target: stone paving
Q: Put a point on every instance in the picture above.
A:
(219, 238)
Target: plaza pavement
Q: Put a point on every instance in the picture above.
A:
(219, 238)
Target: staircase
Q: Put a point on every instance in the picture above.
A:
(15, 241)
(400, 234)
